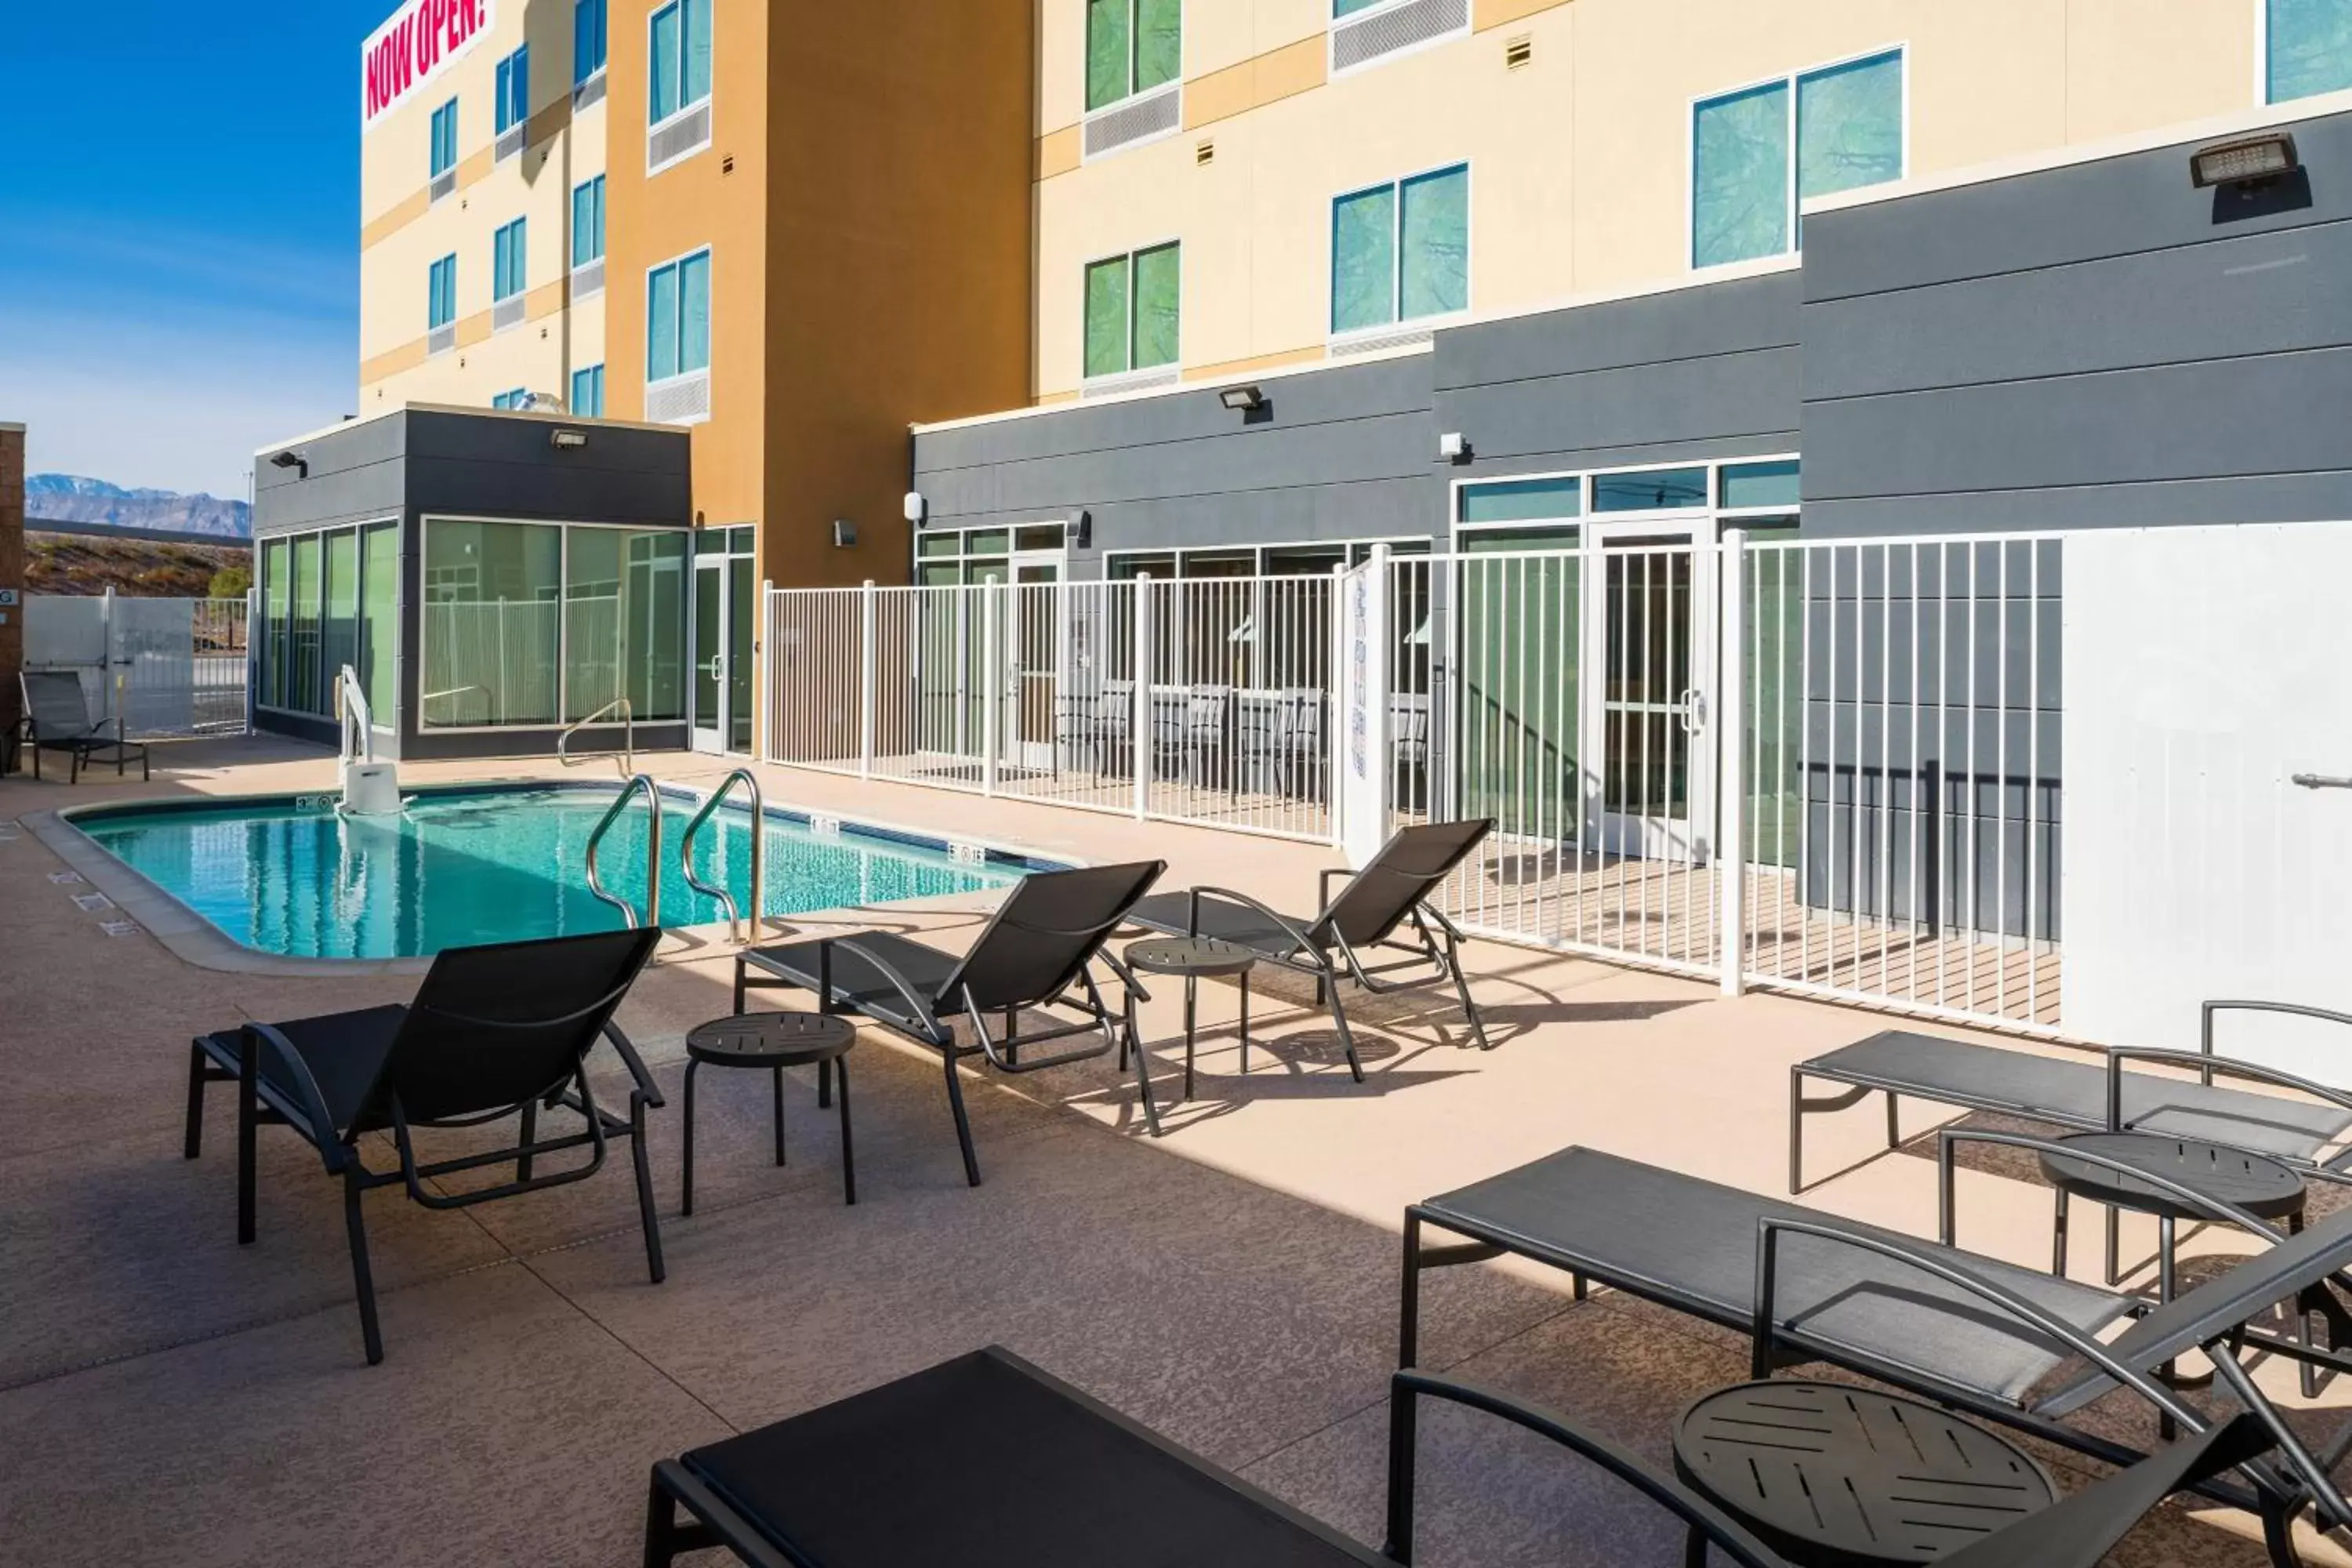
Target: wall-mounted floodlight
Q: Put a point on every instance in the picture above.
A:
(1242, 399)
(845, 533)
(1084, 531)
(1453, 446)
(914, 510)
(2246, 162)
(289, 458)
(567, 440)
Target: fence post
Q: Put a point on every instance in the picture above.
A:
(252, 654)
(1334, 704)
(1140, 747)
(867, 695)
(1731, 793)
(763, 671)
(991, 688)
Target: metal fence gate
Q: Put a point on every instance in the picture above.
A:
(167, 666)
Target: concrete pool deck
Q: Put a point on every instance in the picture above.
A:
(166, 1395)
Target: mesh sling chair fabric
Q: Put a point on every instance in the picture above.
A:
(832, 1485)
(1395, 888)
(57, 719)
(1036, 954)
(494, 1031)
(1969, 1331)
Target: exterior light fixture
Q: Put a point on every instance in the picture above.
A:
(2246, 162)
(914, 507)
(289, 458)
(1453, 446)
(1084, 533)
(567, 440)
(1242, 399)
(845, 533)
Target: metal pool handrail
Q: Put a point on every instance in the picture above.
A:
(628, 736)
(758, 853)
(352, 708)
(652, 850)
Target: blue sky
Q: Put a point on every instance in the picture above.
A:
(179, 232)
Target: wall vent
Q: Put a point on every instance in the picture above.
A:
(1133, 381)
(1143, 118)
(507, 312)
(1518, 51)
(1407, 337)
(1206, 152)
(1374, 35)
(510, 142)
(588, 279)
(682, 135)
(441, 340)
(680, 400)
(591, 91)
(444, 184)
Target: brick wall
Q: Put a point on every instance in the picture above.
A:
(12, 568)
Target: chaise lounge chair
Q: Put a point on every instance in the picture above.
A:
(1396, 888)
(1999, 1341)
(885, 1479)
(57, 719)
(1036, 954)
(2084, 1097)
(495, 1031)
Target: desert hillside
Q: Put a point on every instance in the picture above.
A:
(144, 568)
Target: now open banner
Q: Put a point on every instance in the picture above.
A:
(423, 39)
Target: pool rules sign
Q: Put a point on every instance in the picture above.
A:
(423, 39)
(1363, 685)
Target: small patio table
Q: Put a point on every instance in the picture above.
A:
(774, 1041)
(1192, 958)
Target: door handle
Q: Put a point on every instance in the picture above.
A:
(1694, 706)
(2321, 781)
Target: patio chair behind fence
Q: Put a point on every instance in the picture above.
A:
(169, 666)
(1825, 767)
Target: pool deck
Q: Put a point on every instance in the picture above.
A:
(167, 1395)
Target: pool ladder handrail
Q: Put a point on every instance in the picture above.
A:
(758, 853)
(629, 791)
(628, 758)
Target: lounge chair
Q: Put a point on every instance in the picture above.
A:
(1396, 888)
(1984, 1337)
(57, 719)
(2084, 1097)
(1036, 953)
(495, 1031)
(887, 1479)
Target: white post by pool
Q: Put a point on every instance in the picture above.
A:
(992, 686)
(1139, 722)
(1730, 750)
(865, 693)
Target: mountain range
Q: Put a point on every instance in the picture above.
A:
(69, 498)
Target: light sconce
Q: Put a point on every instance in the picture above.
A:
(1453, 446)
(1242, 399)
(567, 440)
(2247, 163)
(291, 459)
(845, 533)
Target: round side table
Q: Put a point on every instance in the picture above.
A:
(773, 1041)
(1837, 1477)
(2260, 1186)
(1192, 958)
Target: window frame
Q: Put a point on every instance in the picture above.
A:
(581, 78)
(435, 168)
(512, 400)
(1174, 84)
(502, 84)
(1170, 368)
(704, 368)
(2263, 73)
(276, 677)
(432, 292)
(1398, 322)
(1792, 83)
(571, 398)
(1710, 513)
(518, 227)
(685, 105)
(596, 182)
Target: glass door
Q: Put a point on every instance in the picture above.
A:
(726, 632)
(1649, 633)
(711, 642)
(1033, 648)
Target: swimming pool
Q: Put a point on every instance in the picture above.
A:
(292, 875)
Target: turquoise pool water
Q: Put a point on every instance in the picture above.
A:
(293, 876)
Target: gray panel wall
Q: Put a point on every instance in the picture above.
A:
(2100, 345)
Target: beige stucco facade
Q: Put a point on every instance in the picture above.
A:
(1579, 152)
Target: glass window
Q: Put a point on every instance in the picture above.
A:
(1349, 8)
(519, 397)
(588, 45)
(302, 692)
(623, 621)
(1132, 46)
(677, 318)
(1758, 484)
(276, 603)
(1160, 567)
(1518, 500)
(1043, 536)
(1305, 560)
(1739, 176)
(1133, 304)
(514, 90)
(508, 260)
(588, 392)
(1658, 489)
(490, 623)
(681, 58)
(380, 618)
(710, 541)
(1850, 126)
(995, 542)
(1400, 252)
(1488, 541)
(2308, 47)
(588, 222)
(441, 292)
(445, 138)
(340, 633)
(937, 544)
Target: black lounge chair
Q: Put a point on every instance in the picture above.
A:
(1396, 888)
(2084, 1097)
(495, 1031)
(57, 719)
(885, 1479)
(1036, 953)
(1999, 1341)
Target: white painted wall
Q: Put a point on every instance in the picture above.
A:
(2205, 666)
